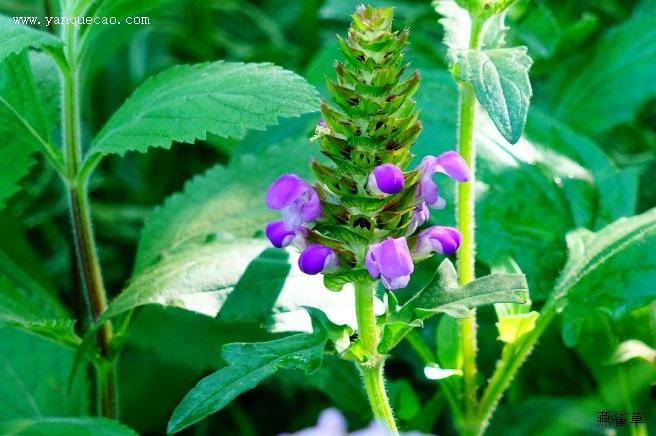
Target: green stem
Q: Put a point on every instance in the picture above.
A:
(372, 369)
(85, 246)
(508, 366)
(465, 219)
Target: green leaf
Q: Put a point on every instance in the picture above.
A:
(195, 279)
(23, 127)
(18, 310)
(34, 374)
(616, 189)
(18, 37)
(186, 102)
(50, 426)
(612, 81)
(248, 365)
(612, 270)
(223, 203)
(443, 295)
(502, 86)
(513, 327)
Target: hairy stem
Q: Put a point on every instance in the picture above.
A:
(465, 219)
(85, 246)
(372, 370)
(508, 366)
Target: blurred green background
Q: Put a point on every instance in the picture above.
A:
(588, 157)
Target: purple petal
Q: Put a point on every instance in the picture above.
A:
(443, 240)
(278, 234)
(392, 261)
(449, 163)
(332, 422)
(370, 262)
(285, 191)
(419, 217)
(386, 179)
(311, 206)
(317, 258)
(453, 165)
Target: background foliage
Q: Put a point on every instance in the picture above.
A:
(587, 158)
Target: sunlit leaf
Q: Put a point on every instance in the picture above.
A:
(186, 102)
(18, 37)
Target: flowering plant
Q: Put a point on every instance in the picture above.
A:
(349, 254)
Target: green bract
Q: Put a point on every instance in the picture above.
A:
(372, 120)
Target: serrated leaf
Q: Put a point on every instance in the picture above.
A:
(502, 86)
(17, 309)
(186, 102)
(18, 37)
(221, 203)
(23, 128)
(612, 270)
(248, 365)
(51, 426)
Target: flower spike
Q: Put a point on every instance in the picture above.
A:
(367, 200)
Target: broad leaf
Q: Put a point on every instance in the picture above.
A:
(500, 80)
(443, 295)
(613, 80)
(82, 426)
(34, 373)
(23, 127)
(248, 365)
(495, 288)
(19, 310)
(240, 280)
(616, 193)
(222, 203)
(186, 102)
(612, 270)
(17, 37)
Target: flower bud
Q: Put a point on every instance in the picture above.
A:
(281, 237)
(443, 240)
(318, 258)
(385, 179)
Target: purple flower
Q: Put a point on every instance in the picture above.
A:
(444, 240)
(449, 163)
(297, 199)
(419, 217)
(281, 237)
(390, 259)
(385, 179)
(332, 423)
(318, 258)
